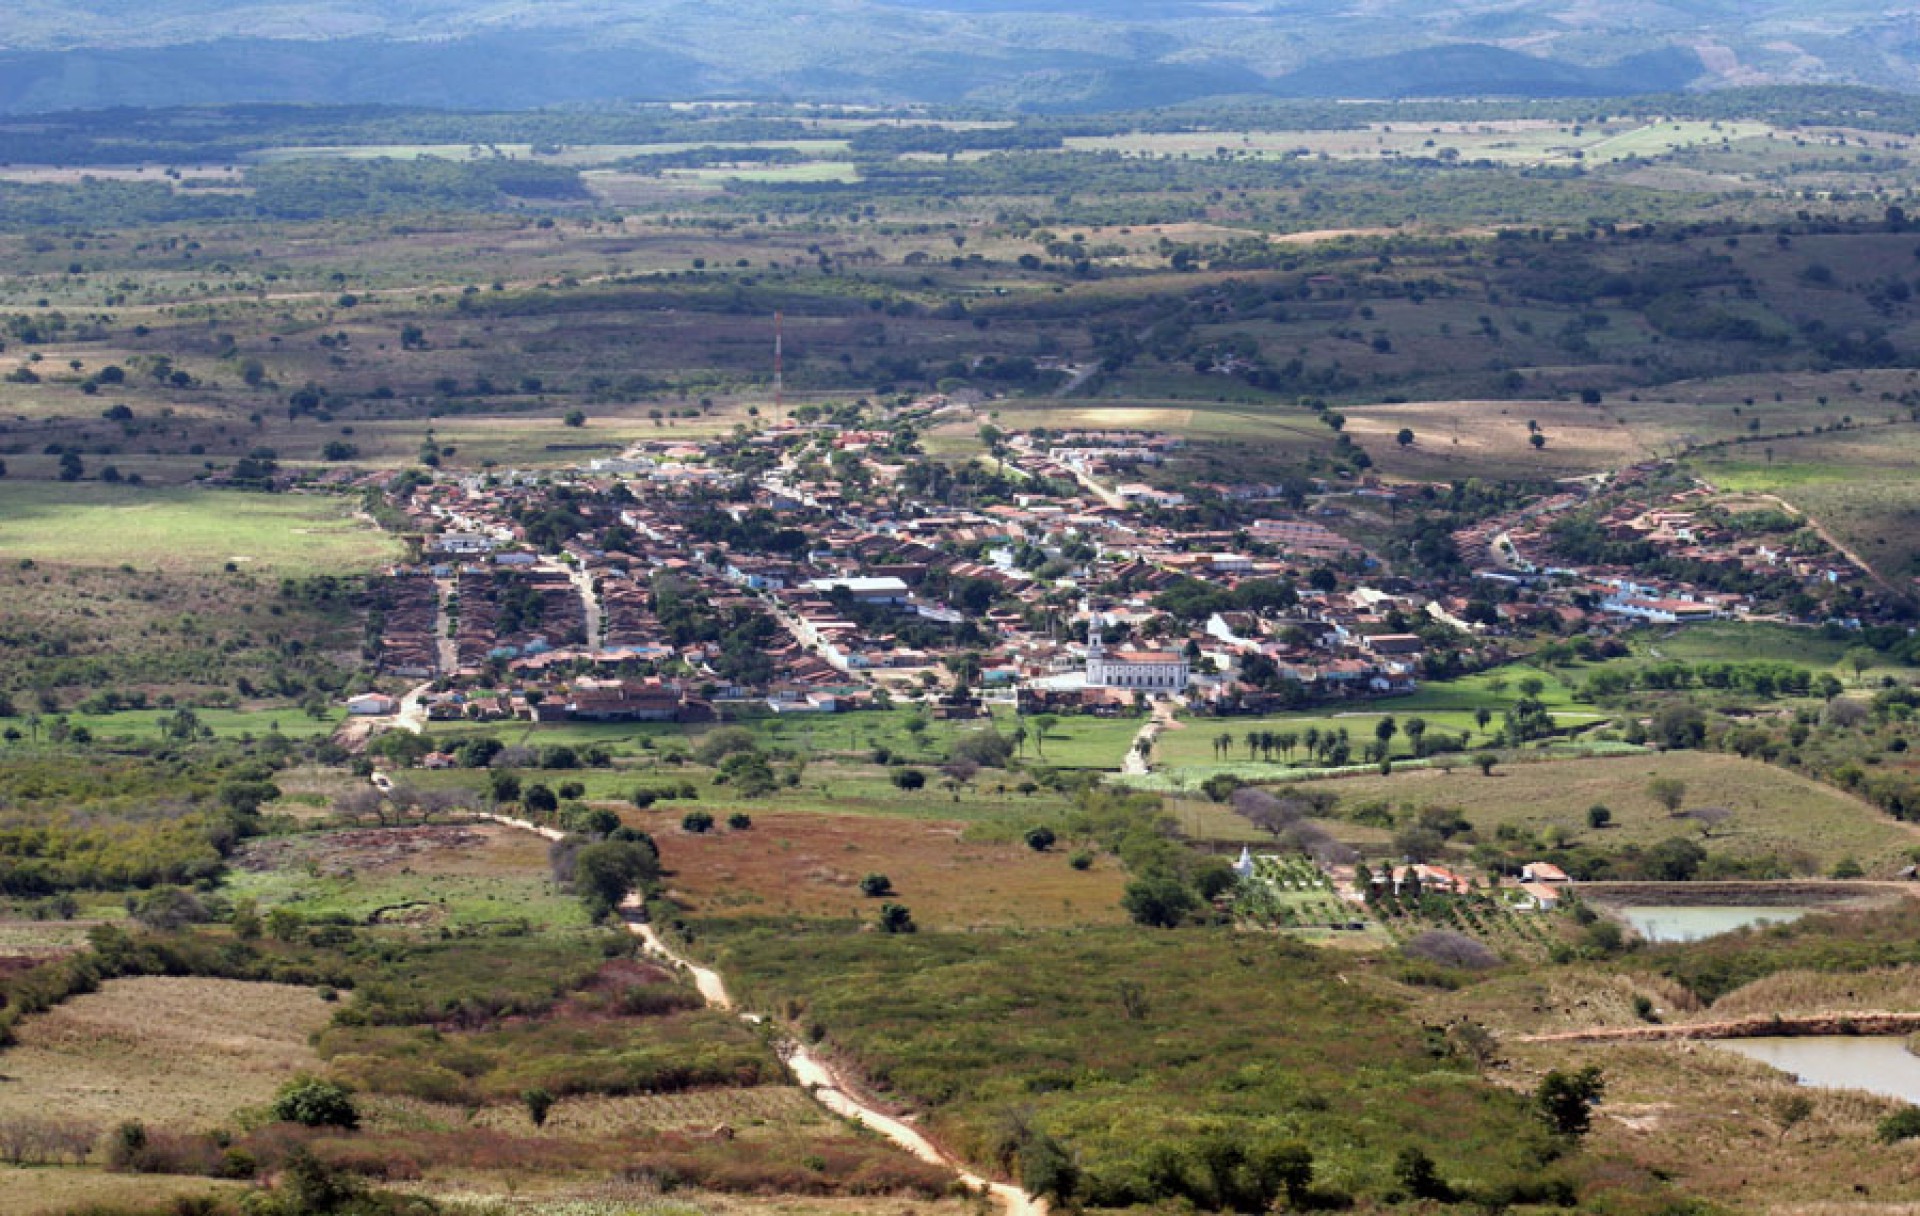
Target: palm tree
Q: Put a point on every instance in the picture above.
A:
(1287, 740)
(1253, 743)
(1042, 723)
(1223, 744)
(1416, 729)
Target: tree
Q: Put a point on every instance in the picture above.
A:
(1599, 816)
(1565, 1100)
(1538, 440)
(1043, 725)
(538, 1103)
(697, 822)
(1789, 1111)
(1159, 901)
(740, 821)
(1405, 437)
(895, 918)
(1414, 1170)
(909, 779)
(873, 886)
(1486, 761)
(1669, 792)
(312, 1102)
(1860, 658)
(1040, 839)
(605, 873)
(576, 418)
(1384, 730)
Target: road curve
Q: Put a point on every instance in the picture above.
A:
(815, 1075)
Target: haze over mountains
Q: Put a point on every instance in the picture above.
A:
(1038, 54)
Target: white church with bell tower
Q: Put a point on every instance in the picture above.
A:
(1144, 670)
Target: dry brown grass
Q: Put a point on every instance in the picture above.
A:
(49, 1192)
(1455, 438)
(1704, 1116)
(801, 864)
(1775, 813)
(781, 1107)
(1808, 992)
(565, 1196)
(182, 1053)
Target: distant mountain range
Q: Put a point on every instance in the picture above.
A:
(1060, 55)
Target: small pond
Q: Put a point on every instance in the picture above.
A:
(1879, 1064)
(1674, 923)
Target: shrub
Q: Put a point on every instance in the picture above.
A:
(876, 885)
(1450, 949)
(909, 778)
(1160, 901)
(697, 822)
(1082, 860)
(895, 918)
(740, 821)
(1566, 1100)
(1903, 1124)
(538, 1102)
(1040, 839)
(312, 1102)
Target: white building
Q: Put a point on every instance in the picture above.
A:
(1146, 670)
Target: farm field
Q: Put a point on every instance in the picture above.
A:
(810, 864)
(173, 1052)
(92, 524)
(1774, 813)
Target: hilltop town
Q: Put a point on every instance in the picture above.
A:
(821, 564)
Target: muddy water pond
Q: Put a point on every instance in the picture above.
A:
(1879, 1064)
(1676, 923)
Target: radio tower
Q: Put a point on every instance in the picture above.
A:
(779, 383)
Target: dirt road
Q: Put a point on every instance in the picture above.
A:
(813, 1073)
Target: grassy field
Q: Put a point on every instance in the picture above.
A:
(146, 725)
(426, 879)
(172, 1052)
(59, 1192)
(90, 524)
(1447, 707)
(1775, 813)
(1855, 483)
(1115, 1041)
(810, 865)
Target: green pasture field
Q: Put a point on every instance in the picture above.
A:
(1776, 813)
(146, 725)
(499, 880)
(1448, 708)
(1858, 484)
(826, 788)
(1073, 742)
(93, 524)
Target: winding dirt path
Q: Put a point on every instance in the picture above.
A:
(814, 1074)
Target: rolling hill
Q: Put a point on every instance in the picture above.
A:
(1036, 54)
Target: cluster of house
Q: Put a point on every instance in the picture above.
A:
(1049, 592)
(1517, 549)
(1540, 886)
